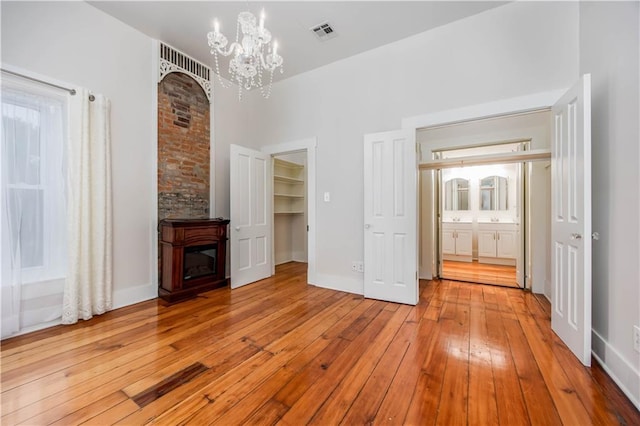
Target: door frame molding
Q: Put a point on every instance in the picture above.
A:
(521, 104)
(309, 145)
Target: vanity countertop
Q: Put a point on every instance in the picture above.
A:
(499, 222)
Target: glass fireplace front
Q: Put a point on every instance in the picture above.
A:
(199, 261)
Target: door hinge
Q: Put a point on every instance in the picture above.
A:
(307, 228)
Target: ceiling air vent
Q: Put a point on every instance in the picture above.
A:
(324, 31)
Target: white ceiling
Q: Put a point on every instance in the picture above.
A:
(360, 25)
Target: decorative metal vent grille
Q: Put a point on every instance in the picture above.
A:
(324, 31)
(172, 60)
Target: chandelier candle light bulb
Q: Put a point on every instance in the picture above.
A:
(251, 57)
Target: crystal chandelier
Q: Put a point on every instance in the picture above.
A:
(253, 54)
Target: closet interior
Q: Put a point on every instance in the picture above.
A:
(290, 208)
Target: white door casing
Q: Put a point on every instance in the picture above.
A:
(571, 219)
(390, 217)
(250, 214)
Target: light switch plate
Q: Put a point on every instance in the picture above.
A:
(327, 197)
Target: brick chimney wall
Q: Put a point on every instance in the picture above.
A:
(183, 148)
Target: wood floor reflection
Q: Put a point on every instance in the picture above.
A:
(482, 273)
(281, 351)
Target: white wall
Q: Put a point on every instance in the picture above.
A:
(609, 50)
(75, 43)
(513, 50)
(232, 119)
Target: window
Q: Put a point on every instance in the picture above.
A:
(33, 201)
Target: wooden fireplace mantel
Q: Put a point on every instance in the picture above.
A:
(180, 236)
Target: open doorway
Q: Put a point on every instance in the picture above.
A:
(493, 205)
(293, 192)
(481, 218)
(290, 207)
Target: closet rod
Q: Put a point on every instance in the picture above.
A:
(71, 91)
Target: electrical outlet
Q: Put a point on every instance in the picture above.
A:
(357, 266)
(360, 266)
(636, 338)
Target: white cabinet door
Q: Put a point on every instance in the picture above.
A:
(487, 243)
(250, 237)
(390, 217)
(571, 219)
(448, 241)
(464, 240)
(507, 244)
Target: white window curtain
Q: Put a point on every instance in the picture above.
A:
(88, 288)
(32, 205)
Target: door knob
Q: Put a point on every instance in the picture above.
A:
(367, 226)
(576, 236)
(237, 228)
(595, 236)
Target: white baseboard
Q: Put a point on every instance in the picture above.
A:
(299, 257)
(625, 375)
(133, 295)
(335, 282)
(283, 261)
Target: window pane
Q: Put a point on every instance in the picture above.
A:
(26, 223)
(33, 132)
(21, 126)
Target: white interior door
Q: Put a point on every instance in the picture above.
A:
(571, 219)
(390, 217)
(250, 236)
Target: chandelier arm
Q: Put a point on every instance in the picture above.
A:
(264, 63)
(232, 48)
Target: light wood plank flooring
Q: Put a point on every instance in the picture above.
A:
(281, 351)
(483, 273)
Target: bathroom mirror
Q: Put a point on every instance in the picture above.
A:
(456, 194)
(493, 193)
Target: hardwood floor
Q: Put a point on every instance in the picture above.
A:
(483, 273)
(281, 351)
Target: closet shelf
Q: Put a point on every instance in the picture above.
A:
(288, 196)
(291, 165)
(287, 179)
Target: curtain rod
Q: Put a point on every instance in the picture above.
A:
(71, 91)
